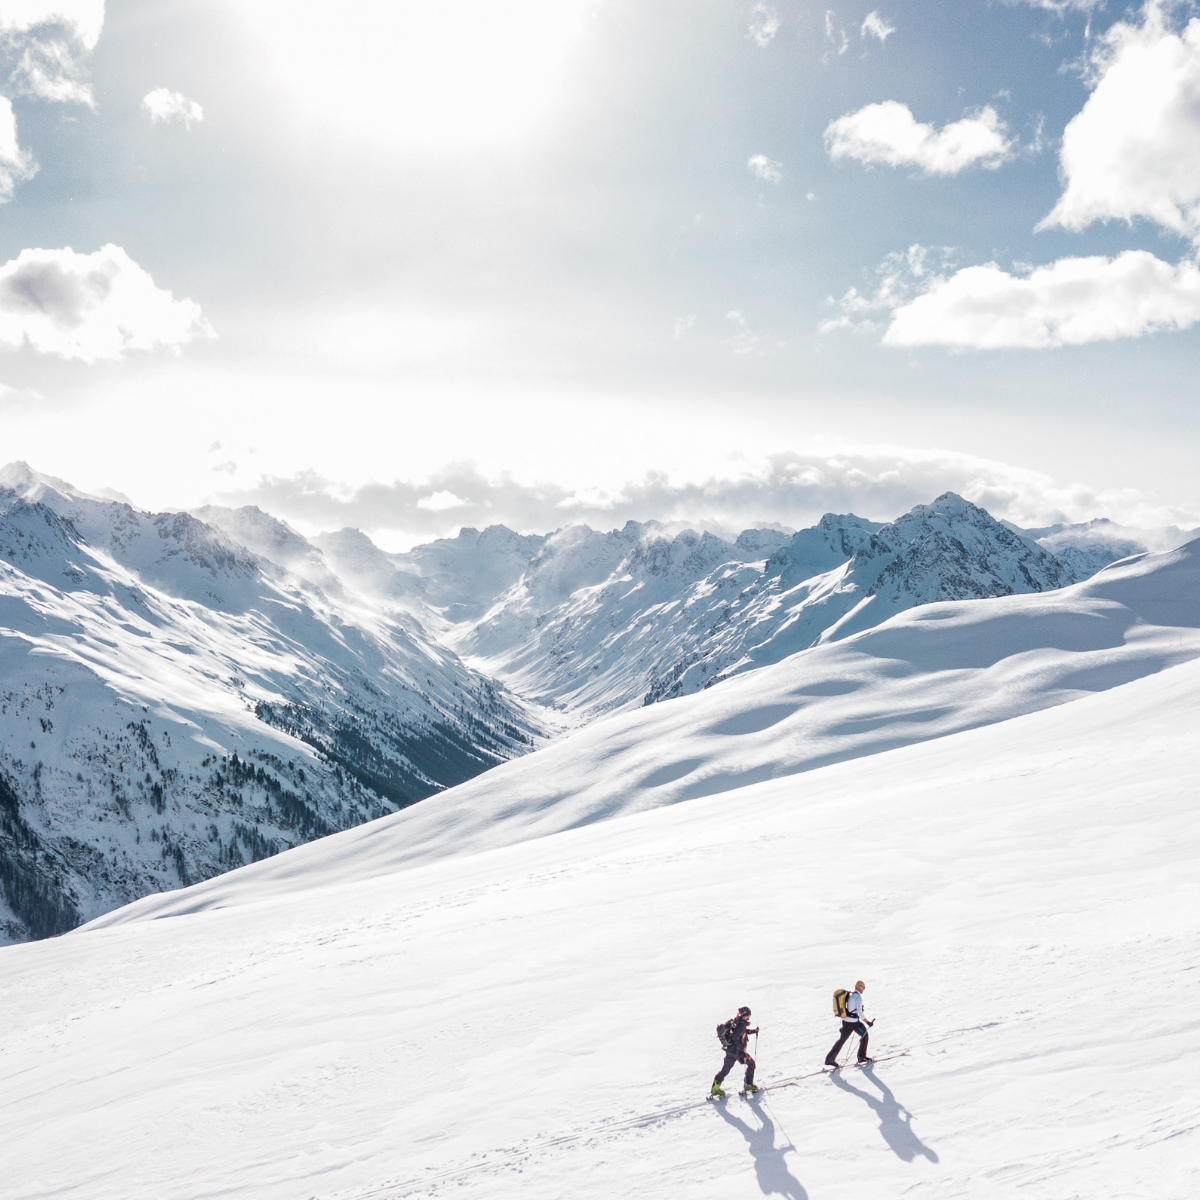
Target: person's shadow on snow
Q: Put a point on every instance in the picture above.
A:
(895, 1121)
(774, 1178)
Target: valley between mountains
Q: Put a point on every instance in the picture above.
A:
(529, 1012)
(403, 875)
(183, 694)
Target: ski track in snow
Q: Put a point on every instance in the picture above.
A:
(537, 1019)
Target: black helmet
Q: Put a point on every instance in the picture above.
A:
(743, 1011)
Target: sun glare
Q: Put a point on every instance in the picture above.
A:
(415, 75)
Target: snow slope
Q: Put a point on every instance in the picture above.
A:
(926, 673)
(172, 706)
(537, 1020)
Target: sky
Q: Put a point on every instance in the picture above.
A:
(412, 267)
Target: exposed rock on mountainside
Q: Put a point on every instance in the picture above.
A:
(173, 706)
(948, 550)
(673, 616)
(445, 582)
(1091, 545)
(180, 695)
(594, 615)
(587, 623)
(932, 671)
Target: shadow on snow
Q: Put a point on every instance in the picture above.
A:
(895, 1121)
(774, 1178)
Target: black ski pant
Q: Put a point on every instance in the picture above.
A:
(731, 1057)
(849, 1027)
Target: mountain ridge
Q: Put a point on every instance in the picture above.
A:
(232, 688)
(173, 705)
(927, 673)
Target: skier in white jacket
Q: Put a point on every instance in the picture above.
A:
(855, 1022)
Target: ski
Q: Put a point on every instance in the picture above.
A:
(847, 1066)
(782, 1083)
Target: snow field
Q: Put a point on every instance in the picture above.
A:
(1020, 899)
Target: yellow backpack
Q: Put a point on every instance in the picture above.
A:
(839, 1003)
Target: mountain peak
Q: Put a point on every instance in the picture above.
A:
(21, 478)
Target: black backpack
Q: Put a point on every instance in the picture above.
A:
(726, 1035)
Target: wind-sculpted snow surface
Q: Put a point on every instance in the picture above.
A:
(172, 706)
(537, 1021)
(929, 672)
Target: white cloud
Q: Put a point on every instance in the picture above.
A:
(52, 70)
(47, 43)
(90, 306)
(83, 19)
(764, 24)
(793, 489)
(1060, 6)
(164, 105)
(1133, 150)
(745, 340)
(15, 164)
(439, 76)
(441, 501)
(888, 133)
(836, 38)
(875, 26)
(1068, 303)
(901, 275)
(766, 169)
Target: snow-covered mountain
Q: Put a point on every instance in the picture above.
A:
(172, 705)
(599, 623)
(537, 1021)
(1090, 545)
(233, 688)
(444, 582)
(595, 617)
(929, 672)
(582, 623)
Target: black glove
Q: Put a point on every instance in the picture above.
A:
(871, 1023)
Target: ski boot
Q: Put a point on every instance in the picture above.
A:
(749, 1089)
(717, 1091)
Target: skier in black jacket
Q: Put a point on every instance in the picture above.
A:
(734, 1040)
